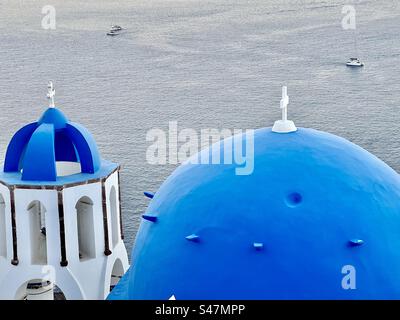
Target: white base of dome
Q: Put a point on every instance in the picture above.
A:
(284, 126)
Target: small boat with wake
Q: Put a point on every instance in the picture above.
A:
(354, 62)
(115, 30)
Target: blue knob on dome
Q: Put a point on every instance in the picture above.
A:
(149, 217)
(149, 194)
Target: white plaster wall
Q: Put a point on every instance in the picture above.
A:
(119, 251)
(13, 279)
(48, 198)
(6, 196)
(88, 279)
(16, 278)
(88, 272)
(110, 182)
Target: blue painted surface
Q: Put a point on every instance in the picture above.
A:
(148, 194)
(55, 117)
(310, 193)
(149, 217)
(15, 178)
(16, 148)
(85, 146)
(39, 160)
(37, 147)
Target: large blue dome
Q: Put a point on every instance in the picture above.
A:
(283, 232)
(36, 148)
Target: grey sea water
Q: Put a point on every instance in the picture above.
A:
(205, 64)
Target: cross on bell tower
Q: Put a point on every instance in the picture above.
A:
(51, 92)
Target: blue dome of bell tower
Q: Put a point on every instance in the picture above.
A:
(35, 150)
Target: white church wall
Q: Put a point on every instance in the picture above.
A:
(114, 213)
(85, 226)
(72, 196)
(24, 199)
(114, 223)
(5, 193)
(3, 229)
(89, 269)
(119, 255)
(88, 278)
(37, 230)
(17, 277)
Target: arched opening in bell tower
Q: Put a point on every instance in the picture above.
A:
(39, 289)
(114, 217)
(116, 273)
(3, 229)
(38, 239)
(85, 223)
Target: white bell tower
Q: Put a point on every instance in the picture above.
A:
(61, 230)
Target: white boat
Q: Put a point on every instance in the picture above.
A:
(354, 62)
(116, 28)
